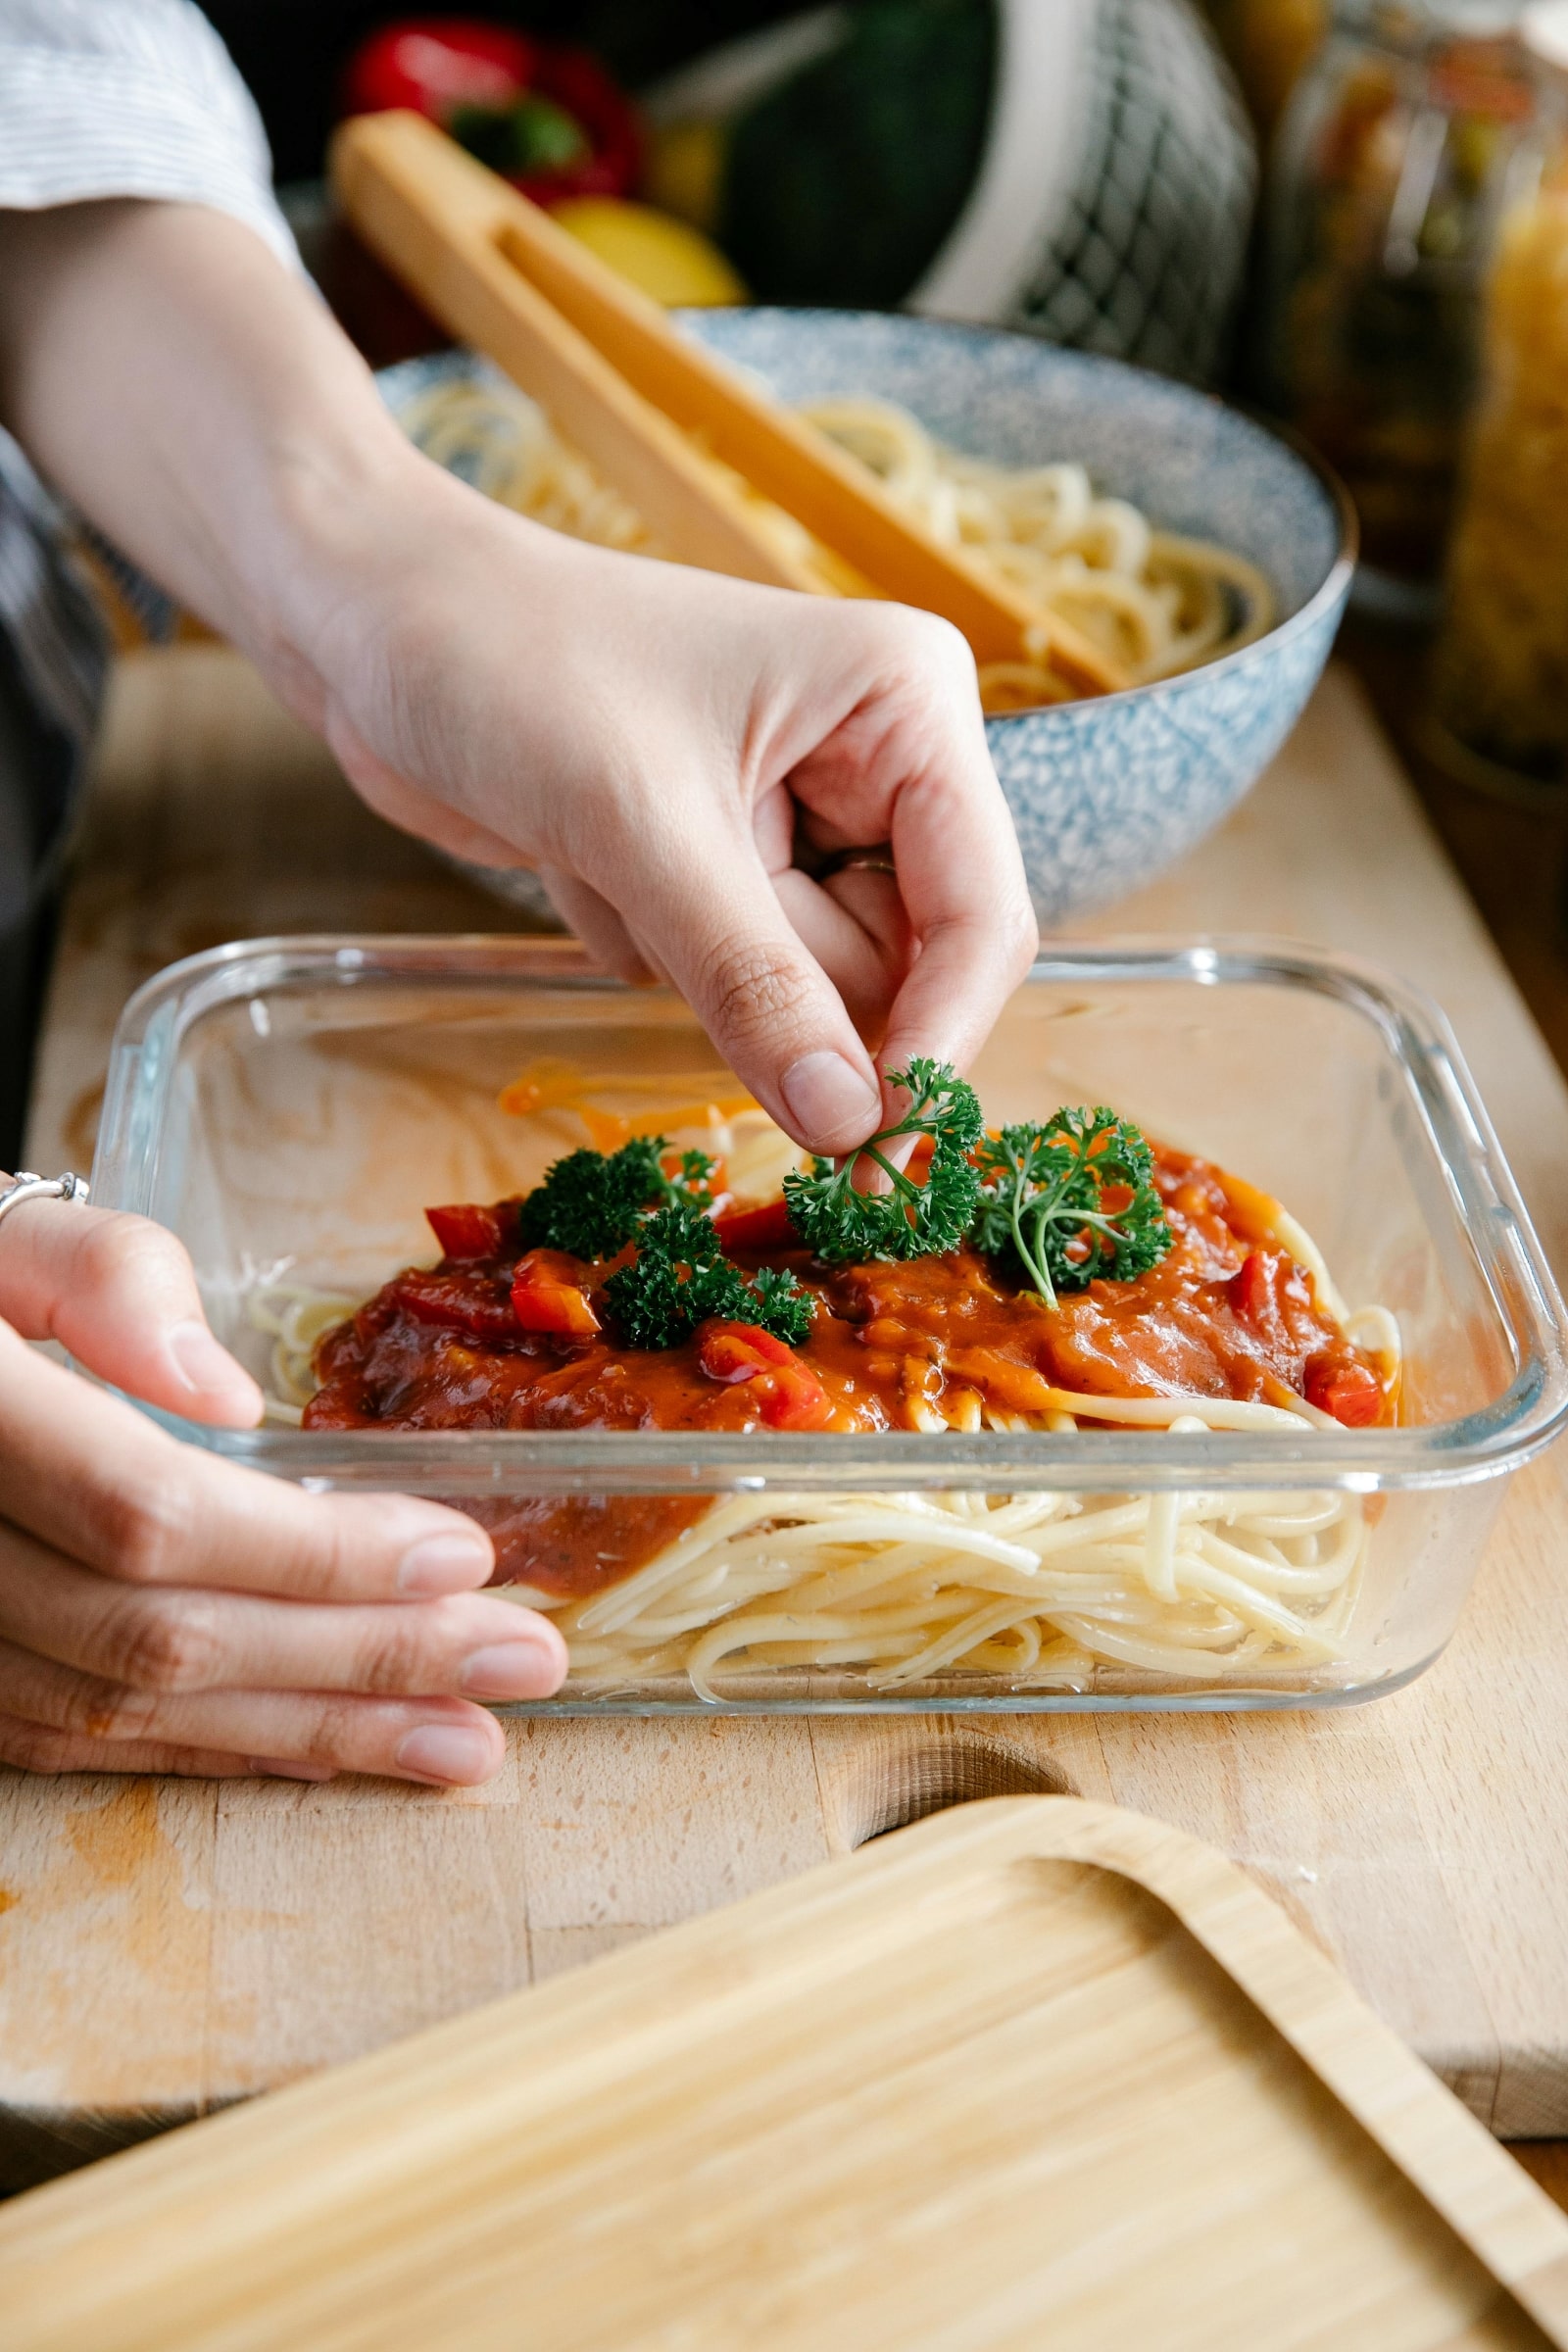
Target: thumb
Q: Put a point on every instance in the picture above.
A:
(711, 918)
(120, 1293)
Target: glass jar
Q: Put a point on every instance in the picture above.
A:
(1500, 683)
(1420, 125)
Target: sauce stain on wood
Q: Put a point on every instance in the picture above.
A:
(119, 1910)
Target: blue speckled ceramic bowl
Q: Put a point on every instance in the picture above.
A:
(1108, 793)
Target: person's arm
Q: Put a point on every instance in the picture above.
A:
(656, 739)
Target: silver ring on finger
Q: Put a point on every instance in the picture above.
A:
(24, 1186)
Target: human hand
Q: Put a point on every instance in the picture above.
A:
(691, 760)
(165, 1611)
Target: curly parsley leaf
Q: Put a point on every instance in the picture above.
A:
(910, 1220)
(592, 1203)
(783, 1305)
(1071, 1201)
(680, 1277)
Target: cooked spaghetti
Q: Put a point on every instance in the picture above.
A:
(1153, 600)
(1234, 1325)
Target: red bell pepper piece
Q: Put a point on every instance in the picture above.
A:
(552, 1306)
(1350, 1392)
(731, 1352)
(759, 1229)
(1251, 1290)
(468, 1229)
(792, 1397)
(546, 1295)
(789, 1394)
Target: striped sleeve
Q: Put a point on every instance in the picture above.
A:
(129, 98)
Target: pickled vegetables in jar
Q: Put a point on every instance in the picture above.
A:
(1500, 665)
(1420, 125)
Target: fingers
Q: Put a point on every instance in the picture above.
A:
(783, 978)
(33, 1748)
(909, 764)
(963, 888)
(977, 936)
(443, 1741)
(771, 1010)
(855, 926)
(88, 1475)
(120, 1293)
(191, 1639)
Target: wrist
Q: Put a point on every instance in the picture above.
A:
(333, 515)
(369, 550)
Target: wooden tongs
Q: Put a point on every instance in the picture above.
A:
(645, 403)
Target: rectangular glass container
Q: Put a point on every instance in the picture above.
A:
(289, 1107)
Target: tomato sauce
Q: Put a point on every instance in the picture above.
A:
(1220, 1316)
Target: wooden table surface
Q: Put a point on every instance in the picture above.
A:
(167, 1946)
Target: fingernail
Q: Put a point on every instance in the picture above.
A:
(445, 1563)
(280, 1768)
(519, 1669)
(829, 1102)
(447, 1752)
(206, 1368)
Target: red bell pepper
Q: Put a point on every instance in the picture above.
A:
(1350, 1392)
(578, 85)
(1251, 1288)
(550, 120)
(1272, 1293)
(759, 1229)
(468, 1229)
(792, 1397)
(546, 1296)
(436, 64)
(789, 1394)
(731, 1352)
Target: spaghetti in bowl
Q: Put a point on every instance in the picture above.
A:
(1206, 555)
(289, 1108)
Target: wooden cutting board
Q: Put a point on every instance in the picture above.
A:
(1038, 2070)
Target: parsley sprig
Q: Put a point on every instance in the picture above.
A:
(1064, 1203)
(842, 1225)
(592, 1203)
(1043, 1201)
(680, 1277)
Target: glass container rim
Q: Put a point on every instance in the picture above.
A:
(1489, 1442)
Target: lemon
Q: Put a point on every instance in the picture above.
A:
(666, 258)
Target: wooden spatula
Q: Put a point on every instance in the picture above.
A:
(636, 396)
